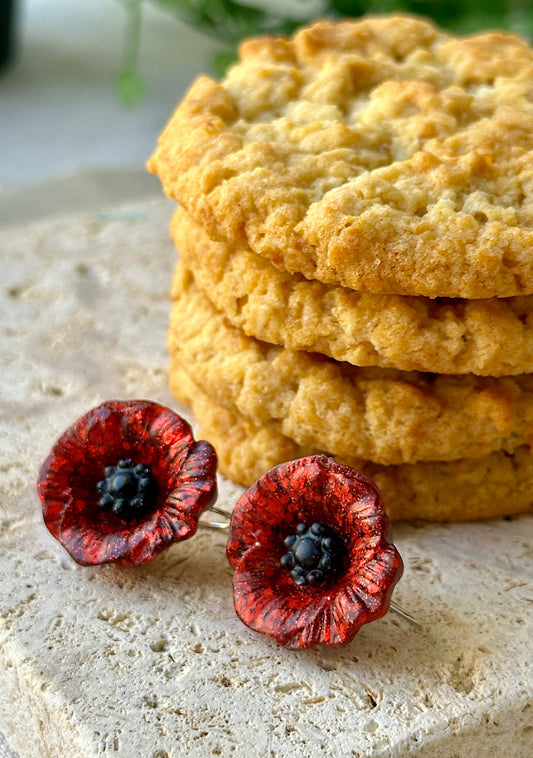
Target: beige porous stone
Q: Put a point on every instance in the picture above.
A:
(153, 662)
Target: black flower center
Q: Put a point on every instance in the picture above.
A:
(128, 489)
(315, 554)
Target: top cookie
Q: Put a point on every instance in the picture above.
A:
(383, 155)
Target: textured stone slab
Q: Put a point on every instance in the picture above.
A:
(153, 662)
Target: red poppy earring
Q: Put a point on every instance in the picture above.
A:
(310, 545)
(310, 542)
(125, 482)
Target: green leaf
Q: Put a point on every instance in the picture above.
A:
(230, 21)
(223, 60)
(131, 88)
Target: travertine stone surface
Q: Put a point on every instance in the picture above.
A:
(153, 662)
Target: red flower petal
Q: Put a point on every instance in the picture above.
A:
(312, 489)
(185, 472)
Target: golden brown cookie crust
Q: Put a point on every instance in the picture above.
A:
(383, 415)
(465, 490)
(382, 155)
(491, 337)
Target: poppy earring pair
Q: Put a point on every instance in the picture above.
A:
(309, 542)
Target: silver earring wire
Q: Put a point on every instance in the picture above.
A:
(398, 609)
(217, 525)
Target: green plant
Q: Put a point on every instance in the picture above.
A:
(230, 21)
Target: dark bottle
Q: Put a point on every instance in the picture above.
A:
(7, 31)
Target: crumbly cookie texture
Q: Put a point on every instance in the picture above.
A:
(491, 337)
(382, 154)
(383, 415)
(464, 490)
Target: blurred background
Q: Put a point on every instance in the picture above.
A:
(86, 86)
(70, 139)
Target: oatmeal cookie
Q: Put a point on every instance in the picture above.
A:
(381, 154)
(383, 415)
(491, 337)
(494, 485)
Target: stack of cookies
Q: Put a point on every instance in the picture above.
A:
(355, 275)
